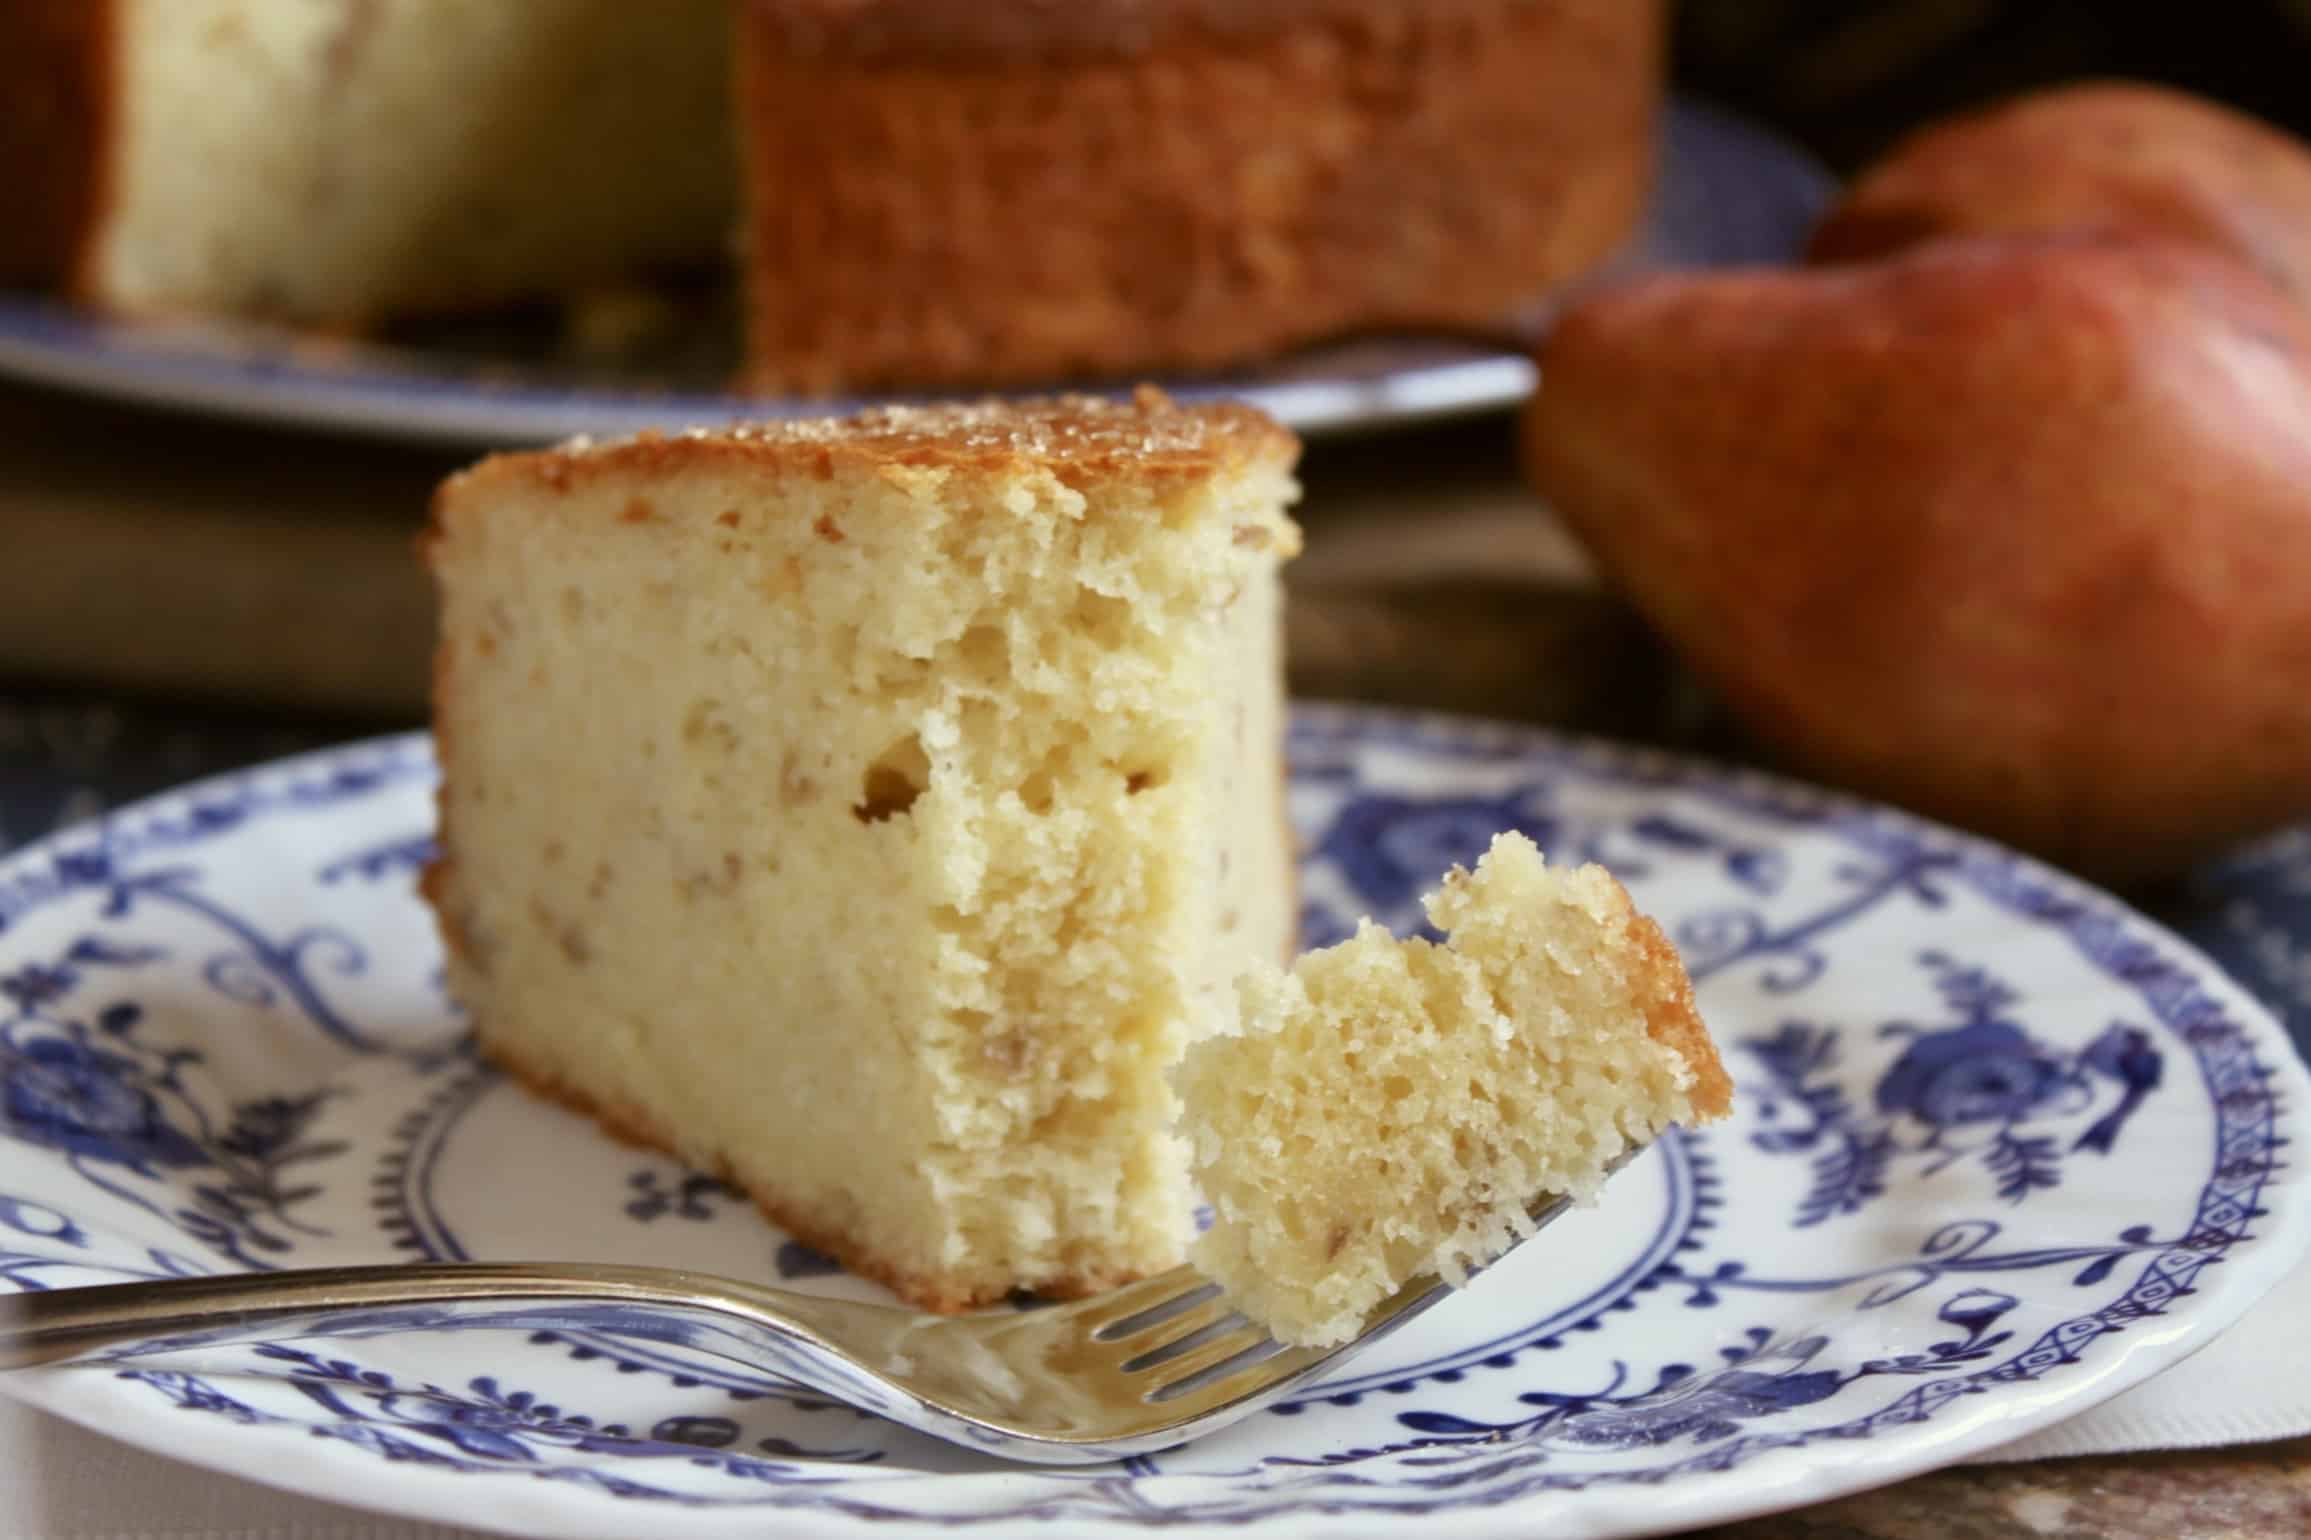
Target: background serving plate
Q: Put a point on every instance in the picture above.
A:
(1729, 193)
(2002, 1149)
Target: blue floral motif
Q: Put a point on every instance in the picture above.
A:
(1762, 1379)
(1972, 1088)
(489, 1422)
(1789, 954)
(261, 969)
(64, 1094)
(375, 863)
(693, 1195)
(1392, 848)
(93, 861)
(1760, 869)
(1923, 1091)
(1985, 1072)
(91, 1089)
(35, 984)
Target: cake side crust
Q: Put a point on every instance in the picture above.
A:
(1671, 1017)
(55, 135)
(1204, 200)
(972, 35)
(629, 1125)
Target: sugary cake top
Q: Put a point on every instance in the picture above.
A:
(967, 31)
(1147, 435)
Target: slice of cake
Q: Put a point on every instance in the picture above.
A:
(868, 810)
(990, 193)
(342, 161)
(1394, 1108)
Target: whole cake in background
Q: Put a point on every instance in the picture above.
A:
(341, 162)
(947, 193)
(869, 811)
(923, 192)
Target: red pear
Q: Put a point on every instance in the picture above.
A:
(2015, 531)
(2108, 155)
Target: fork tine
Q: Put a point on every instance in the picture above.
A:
(1183, 1333)
(1149, 1332)
(1173, 1375)
(1103, 1314)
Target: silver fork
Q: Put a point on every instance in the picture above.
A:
(1132, 1371)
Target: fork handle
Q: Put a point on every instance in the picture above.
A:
(59, 1326)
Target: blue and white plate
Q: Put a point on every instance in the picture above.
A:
(2002, 1148)
(1729, 193)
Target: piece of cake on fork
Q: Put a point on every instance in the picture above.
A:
(1391, 1109)
(869, 810)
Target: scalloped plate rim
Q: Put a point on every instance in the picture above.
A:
(1819, 1474)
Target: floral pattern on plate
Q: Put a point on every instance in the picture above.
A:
(1990, 1123)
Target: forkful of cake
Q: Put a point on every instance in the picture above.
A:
(1378, 1124)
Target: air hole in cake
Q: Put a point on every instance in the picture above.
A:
(893, 781)
(1137, 781)
(901, 676)
(1063, 764)
(1007, 1051)
(1102, 617)
(728, 647)
(705, 727)
(573, 605)
(796, 787)
(843, 651)
(986, 651)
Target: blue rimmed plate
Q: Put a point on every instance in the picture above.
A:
(2002, 1149)
(1729, 193)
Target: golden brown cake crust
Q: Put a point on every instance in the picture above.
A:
(940, 1296)
(1209, 195)
(1671, 1018)
(1082, 438)
(59, 57)
(979, 33)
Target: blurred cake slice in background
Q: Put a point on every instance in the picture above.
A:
(986, 194)
(921, 193)
(1391, 1109)
(869, 810)
(339, 162)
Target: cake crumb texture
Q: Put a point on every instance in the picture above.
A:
(869, 810)
(1390, 1109)
(340, 163)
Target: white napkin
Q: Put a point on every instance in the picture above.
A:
(59, 1483)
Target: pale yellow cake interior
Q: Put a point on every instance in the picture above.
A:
(1392, 1108)
(339, 162)
(875, 832)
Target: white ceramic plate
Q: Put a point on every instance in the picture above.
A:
(1730, 193)
(2002, 1148)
